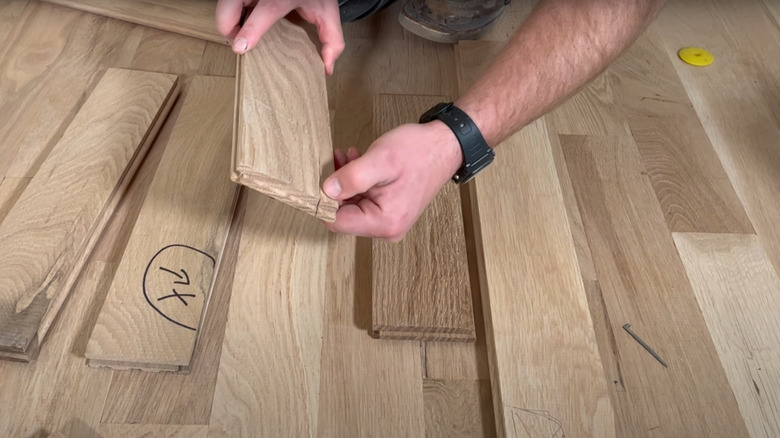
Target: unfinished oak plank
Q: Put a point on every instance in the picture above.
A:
(421, 285)
(691, 185)
(539, 330)
(282, 145)
(458, 408)
(162, 287)
(643, 283)
(56, 222)
(269, 373)
(193, 18)
(739, 293)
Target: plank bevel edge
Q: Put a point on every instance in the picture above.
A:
(31, 351)
(208, 236)
(320, 205)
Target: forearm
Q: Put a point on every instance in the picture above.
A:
(561, 47)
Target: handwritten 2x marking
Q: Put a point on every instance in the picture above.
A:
(155, 288)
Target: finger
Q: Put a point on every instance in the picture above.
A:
(228, 16)
(265, 15)
(362, 219)
(331, 35)
(358, 177)
(353, 154)
(339, 158)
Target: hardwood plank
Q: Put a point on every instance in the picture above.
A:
(532, 278)
(369, 387)
(11, 14)
(458, 408)
(151, 431)
(421, 285)
(194, 18)
(164, 52)
(137, 397)
(34, 394)
(57, 220)
(643, 282)
(739, 292)
(218, 60)
(10, 191)
(691, 185)
(53, 83)
(269, 374)
(282, 145)
(743, 118)
(176, 245)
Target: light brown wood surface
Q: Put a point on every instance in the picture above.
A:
(421, 286)
(269, 373)
(195, 18)
(10, 191)
(643, 283)
(282, 144)
(458, 408)
(531, 271)
(739, 294)
(163, 284)
(51, 229)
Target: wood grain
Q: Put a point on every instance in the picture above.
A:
(421, 285)
(532, 279)
(176, 245)
(193, 18)
(138, 397)
(739, 294)
(218, 60)
(54, 225)
(642, 282)
(10, 191)
(151, 431)
(369, 387)
(458, 408)
(690, 183)
(282, 144)
(269, 373)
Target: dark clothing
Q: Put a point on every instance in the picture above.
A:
(353, 10)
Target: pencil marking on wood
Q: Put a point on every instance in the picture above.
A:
(531, 423)
(159, 289)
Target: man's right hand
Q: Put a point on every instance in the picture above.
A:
(322, 13)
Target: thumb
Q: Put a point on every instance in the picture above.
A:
(358, 176)
(261, 19)
(331, 35)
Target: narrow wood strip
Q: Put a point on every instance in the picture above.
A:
(421, 285)
(643, 283)
(739, 293)
(269, 373)
(193, 18)
(539, 330)
(54, 225)
(282, 145)
(163, 284)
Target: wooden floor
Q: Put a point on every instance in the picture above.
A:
(668, 174)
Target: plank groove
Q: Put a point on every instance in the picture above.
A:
(421, 286)
(642, 282)
(54, 225)
(163, 284)
(739, 294)
(282, 146)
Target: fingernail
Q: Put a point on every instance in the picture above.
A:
(332, 188)
(240, 45)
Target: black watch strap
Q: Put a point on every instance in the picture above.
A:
(477, 155)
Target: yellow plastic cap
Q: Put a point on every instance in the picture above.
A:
(696, 56)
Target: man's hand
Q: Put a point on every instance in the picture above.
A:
(322, 13)
(384, 192)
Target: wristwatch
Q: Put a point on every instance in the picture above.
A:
(477, 155)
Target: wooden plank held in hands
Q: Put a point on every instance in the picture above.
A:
(153, 310)
(52, 228)
(421, 286)
(282, 145)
